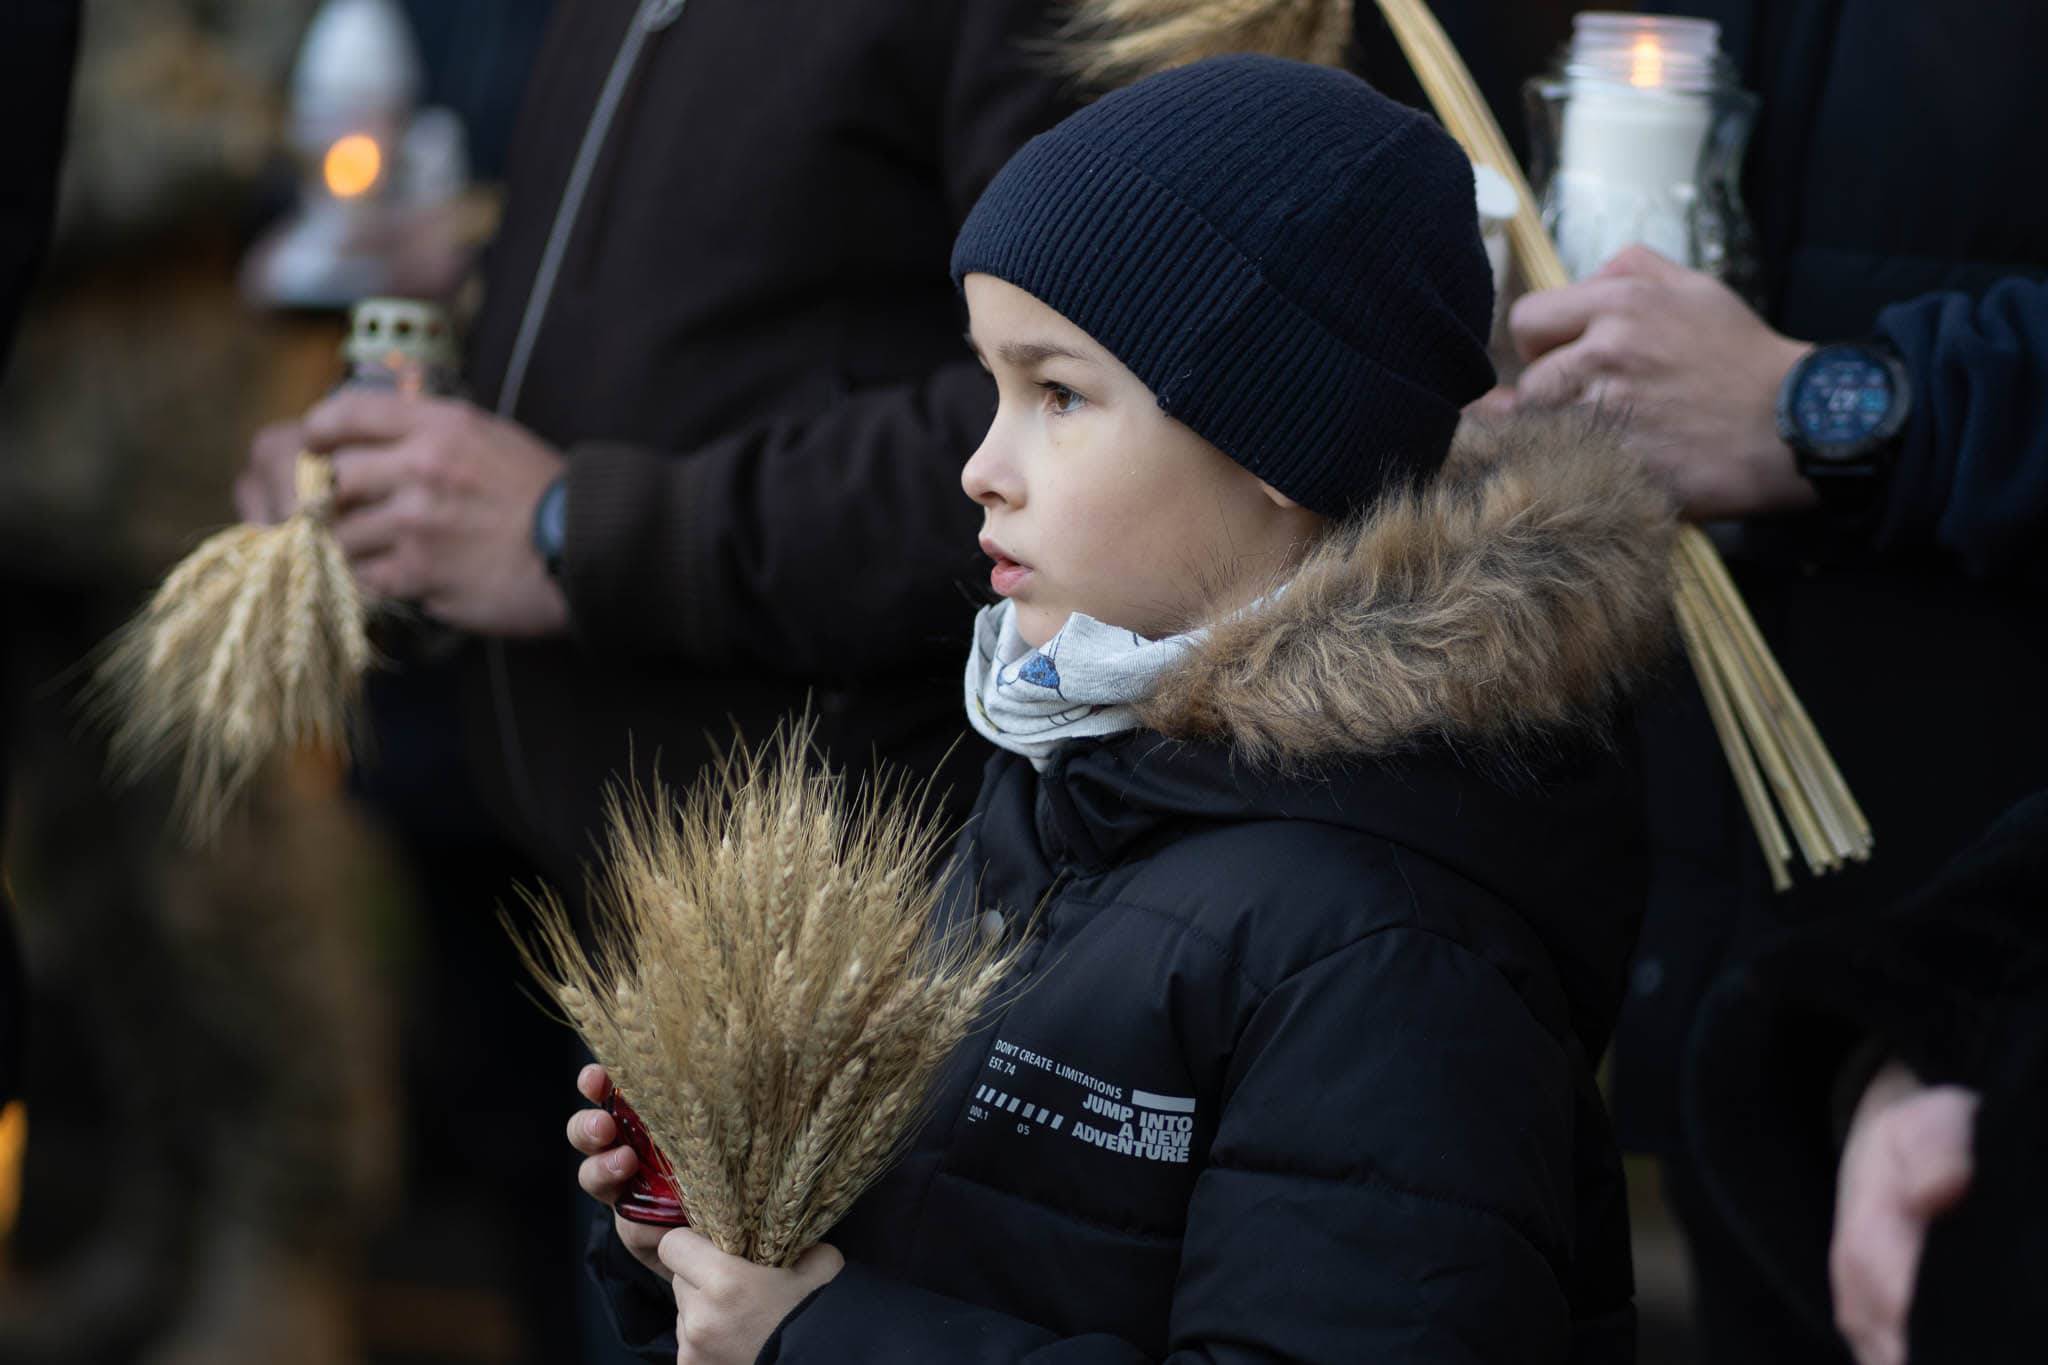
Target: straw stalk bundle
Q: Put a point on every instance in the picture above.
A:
(1771, 744)
(256, 643)
(765, 981)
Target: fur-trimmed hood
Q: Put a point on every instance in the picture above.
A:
(1515, 596)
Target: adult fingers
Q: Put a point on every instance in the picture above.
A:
(593, 1082)
(395, 576)
(1639, 261)
(1932, 1138)
(365, 474)
(363, 416)
(270, 493)
(1869, 1269)
(1497, 404)
(374, 529)
(1539, 323)
(252, 503)
(1556, 380)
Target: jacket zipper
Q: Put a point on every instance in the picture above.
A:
(651, 17)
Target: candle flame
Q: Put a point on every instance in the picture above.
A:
(1646, 63)
(353, 165)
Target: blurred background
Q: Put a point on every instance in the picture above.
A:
(285, 1099)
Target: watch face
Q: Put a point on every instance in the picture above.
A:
(1842, 399)
(555, 518)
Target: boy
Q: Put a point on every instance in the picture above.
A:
(1302, 718)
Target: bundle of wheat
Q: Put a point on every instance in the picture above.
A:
(1771, 744)
(766, 980)
(256, 643)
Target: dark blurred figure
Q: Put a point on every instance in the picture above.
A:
(38, 46)
(1902, 1060)
(1902, 594)
(721, 270)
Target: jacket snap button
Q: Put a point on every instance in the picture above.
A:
(992, 925)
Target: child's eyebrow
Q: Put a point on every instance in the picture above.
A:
(1025, 354)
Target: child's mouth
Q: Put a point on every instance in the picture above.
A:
(1007, 575)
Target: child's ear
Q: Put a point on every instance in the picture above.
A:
(1279, 499)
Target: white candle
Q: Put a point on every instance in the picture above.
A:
(1629, 152)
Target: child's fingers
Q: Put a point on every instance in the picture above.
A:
(644, 1242)
(604, 1177)
(592, 1131)
(592, 1083)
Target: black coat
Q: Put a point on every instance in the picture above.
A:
(1298, 1063)
(1881, 188)
(1955, 984)
(39, 41)
(752, 358)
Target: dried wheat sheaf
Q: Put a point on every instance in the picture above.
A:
(765, 980)
(1113, 42)
(256, 643)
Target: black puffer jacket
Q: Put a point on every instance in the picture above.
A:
(1299, 1067)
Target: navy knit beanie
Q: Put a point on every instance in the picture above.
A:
(1287, 258)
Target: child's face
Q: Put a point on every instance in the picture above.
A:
(1096, 501)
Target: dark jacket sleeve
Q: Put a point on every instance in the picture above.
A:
(642, 1309)
(1972, 474)
(1954, 983)
(744, 548)
(1391, 1180)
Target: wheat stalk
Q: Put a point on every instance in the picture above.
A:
(255, 644)
(764, 976)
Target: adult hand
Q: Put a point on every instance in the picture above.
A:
(1696, 372)
(435, 502)
(726, 1307)
(266, 492)
(608, 1164)
(1907, 1160)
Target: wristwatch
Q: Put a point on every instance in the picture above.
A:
(551, 525)
(1841, 409)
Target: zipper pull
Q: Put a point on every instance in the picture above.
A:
(659, 14)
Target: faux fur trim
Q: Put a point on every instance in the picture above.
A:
(1516, 595)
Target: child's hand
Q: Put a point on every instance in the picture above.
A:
(727, 1308)
(608, 1164)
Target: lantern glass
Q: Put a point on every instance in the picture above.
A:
(1637, 134)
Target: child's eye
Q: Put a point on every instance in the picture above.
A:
(1061, 399)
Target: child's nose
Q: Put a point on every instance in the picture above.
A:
(986, 477)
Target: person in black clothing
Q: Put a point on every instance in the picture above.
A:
(40, 41)
(716, 323)
(717, 336)
(1939, 1232)
(1300, 707)
(1902, 597)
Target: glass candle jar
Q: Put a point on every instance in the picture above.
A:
(402, 344)
(1637, 135)
(651, 1195)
